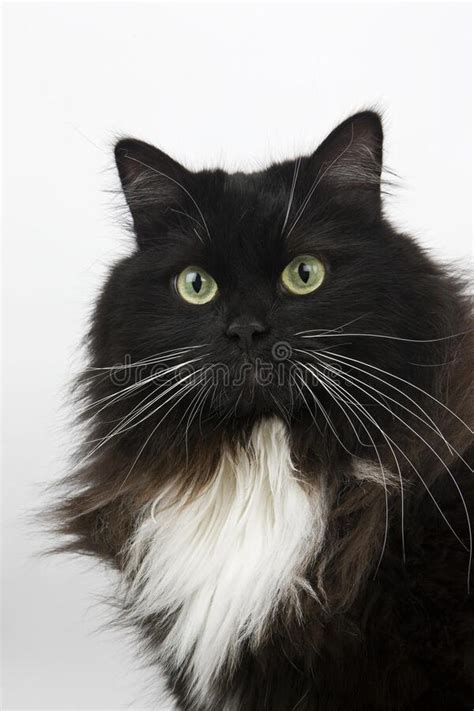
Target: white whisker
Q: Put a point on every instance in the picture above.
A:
(431, 424)
(114, 397)
(407, 382)
(121, 429)
(151, 360)
(405, 456)
(318, 403)
(183, 394)
(329, 334)
(336, 386)
(292, 193)
(351, 380)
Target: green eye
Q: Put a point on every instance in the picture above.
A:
(303, 275)
(196, 286)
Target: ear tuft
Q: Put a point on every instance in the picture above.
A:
(353, 151)
(349, 162)
(150, 178)
(127, 158)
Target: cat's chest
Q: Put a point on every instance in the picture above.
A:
(222, 563)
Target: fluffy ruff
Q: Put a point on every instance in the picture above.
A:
(325, 564)
(221, 565)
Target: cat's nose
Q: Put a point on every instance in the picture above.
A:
(246, 330)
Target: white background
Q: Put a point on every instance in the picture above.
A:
(231, 84)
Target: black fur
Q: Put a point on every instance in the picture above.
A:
(394, 636)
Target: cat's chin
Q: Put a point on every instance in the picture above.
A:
(248, 402)
(246, 408)
(256, 388)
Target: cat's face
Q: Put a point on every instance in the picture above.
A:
(234, 272)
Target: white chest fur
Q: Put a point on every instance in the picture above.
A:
(220, 564)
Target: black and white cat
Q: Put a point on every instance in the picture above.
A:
(279, 401)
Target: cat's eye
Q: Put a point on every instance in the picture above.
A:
(303, 275)
(196, 286)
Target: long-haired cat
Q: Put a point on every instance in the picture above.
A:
(278, 459)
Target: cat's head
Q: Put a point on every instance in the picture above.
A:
(242, 287)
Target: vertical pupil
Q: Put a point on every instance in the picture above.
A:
(197, 282)
(304, 272)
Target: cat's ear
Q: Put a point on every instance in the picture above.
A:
(349, 163)
(152, 182)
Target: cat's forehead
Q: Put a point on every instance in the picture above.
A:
(234, 192)
(245, 211)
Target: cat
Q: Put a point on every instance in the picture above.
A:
(279, 452)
